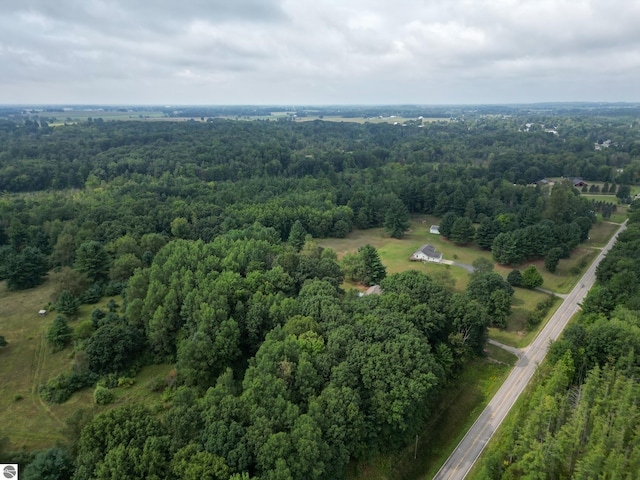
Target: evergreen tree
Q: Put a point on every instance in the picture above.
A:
(25, 269)
(505, 249)
(396, 220)
(92, 259)
(462, 231)
(552, 259)
(446, 224)
(297, 235)
(3, 341)
(52, 464)
(373, 270)
(59, 335)
(515, 278)
(67, 303)
(486, 232)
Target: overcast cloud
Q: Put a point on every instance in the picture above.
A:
(318, 52)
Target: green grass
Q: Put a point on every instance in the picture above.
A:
(83, 115)
(394, 253)
(516, 334)
(600, 234)
(500, 355)
(27, 362)
(461, 403)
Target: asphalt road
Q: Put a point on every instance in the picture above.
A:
(471, 446)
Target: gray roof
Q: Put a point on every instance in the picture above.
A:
(429, 250)
(374, 290)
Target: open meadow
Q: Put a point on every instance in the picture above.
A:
(28, 422)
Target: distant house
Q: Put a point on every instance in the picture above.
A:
(543, 182)
(435, 229)
(427, 253)
(374, 290)
(578, 182)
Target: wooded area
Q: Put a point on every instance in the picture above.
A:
(581, 419)
(206, 232)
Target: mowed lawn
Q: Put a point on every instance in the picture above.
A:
(394, 253)
(27, 421)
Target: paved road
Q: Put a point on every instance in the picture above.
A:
(469, 449)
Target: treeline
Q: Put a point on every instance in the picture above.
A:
(581, 420)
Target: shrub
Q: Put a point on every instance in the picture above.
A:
(157, 384)
(93, 294)
(126, 382)
(59, 389)
(103, 396)
(83, 330)
(114, 288)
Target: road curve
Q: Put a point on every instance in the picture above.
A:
(471, 446)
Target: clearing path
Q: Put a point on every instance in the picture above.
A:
(518, 352)
(469, 449)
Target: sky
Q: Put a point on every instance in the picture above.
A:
(318, 52)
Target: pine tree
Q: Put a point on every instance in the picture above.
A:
(374, 272)
(59, 334)
(25, 269)
(67, 303)
(462, 231)
(446, 224)
(396, 220)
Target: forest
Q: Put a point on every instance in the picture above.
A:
(206, 234)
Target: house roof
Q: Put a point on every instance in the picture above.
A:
(373, 290)
(429, 250)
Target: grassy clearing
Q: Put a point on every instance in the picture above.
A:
(563, 280)
(461, 403)
(83, 115)
(516, 334)
(500, 355)
(395, 253)
(27, 362)
(600, 234)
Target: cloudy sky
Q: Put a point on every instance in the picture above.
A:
(318, 51)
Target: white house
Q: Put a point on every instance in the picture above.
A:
(435, 229)
(427, 253)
